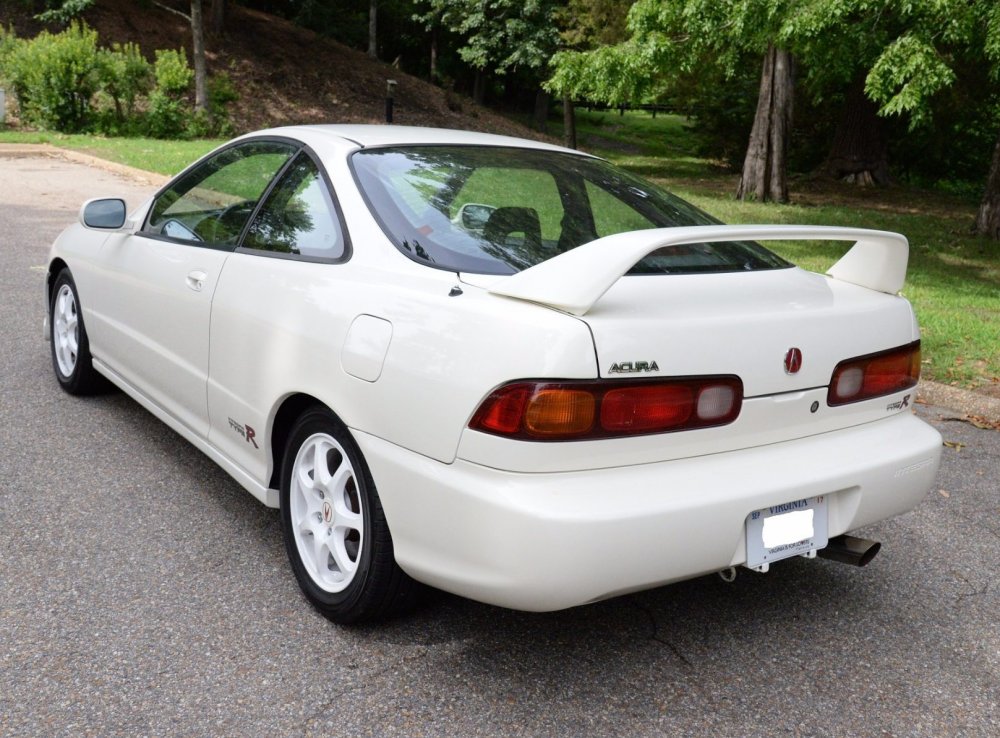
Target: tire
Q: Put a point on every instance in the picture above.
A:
(71, 357)
(335, 531)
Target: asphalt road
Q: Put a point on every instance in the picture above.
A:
(143, 592)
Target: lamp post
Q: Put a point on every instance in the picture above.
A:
(390, 89)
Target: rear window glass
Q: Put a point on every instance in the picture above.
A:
(497, 210)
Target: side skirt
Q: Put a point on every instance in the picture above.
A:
(265, 495)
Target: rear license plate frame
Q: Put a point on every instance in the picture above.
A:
(760, 556)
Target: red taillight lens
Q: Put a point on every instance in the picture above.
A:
(503, 411)
(563, 411)
(875, 375)
(650, 408)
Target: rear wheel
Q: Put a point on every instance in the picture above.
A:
(71, 357)
(335, 531)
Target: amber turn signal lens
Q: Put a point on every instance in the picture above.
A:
(560, 412)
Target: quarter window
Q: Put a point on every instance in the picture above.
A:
(298, 216)
(212, 203)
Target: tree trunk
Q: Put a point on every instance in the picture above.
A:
(479, 87)
(218, 17)
(372, 28)
(765, 174)
(434, 54)
(200, 76)
(859, 153)
(988, 217)
(541, 118)
(569, 122)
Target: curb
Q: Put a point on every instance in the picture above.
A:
(962, 401)
(23, 151)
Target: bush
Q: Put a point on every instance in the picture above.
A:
(168, 112)
(221, 92)
(66, 83)
(55, 76)
(173, 74)
(126, 76)
(8, 42)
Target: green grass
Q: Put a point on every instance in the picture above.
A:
(953, 279)
(152, 155)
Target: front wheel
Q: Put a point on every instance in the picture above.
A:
(71, 358)
(335, 531)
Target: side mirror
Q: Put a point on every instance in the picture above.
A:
(473, 215)
(106, 213)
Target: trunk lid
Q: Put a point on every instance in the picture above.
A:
(742, 324)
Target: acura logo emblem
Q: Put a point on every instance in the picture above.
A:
(793, 361)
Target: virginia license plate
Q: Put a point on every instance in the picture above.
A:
(793, 528)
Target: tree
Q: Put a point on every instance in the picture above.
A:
(497, 36)
(219, 13)
(764, 169)
(198, 42)
(917, 59)
(584, 25)
(669, 41)
(988, 216)
(198, 51)
(372, 29)
(859, 151)
(880, 59)
(63, 11)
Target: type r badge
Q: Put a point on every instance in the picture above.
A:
(248, 433)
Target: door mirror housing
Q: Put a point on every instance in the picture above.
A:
(106, 213)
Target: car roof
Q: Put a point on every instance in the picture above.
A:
(368, 136)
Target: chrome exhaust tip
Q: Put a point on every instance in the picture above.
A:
(850, 550)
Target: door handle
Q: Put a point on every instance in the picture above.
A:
(196, 280)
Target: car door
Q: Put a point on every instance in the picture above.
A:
(278, 309)
(155, 311)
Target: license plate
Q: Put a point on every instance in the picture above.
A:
(796, 528)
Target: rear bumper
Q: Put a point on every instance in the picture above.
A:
(550, 541)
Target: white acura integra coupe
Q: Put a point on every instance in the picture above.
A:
(498, 367)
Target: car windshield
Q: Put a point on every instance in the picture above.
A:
(498, 210)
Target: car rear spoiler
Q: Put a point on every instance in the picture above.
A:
(574, 280)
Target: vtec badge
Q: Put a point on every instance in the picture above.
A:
(633, 367)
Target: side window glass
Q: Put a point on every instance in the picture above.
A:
(298, 216)
(212, 203)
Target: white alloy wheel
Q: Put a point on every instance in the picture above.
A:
(326, 512)
(65, 330)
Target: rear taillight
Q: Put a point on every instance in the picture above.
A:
(874, 375)
(572, 411)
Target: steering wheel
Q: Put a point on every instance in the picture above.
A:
(235, 208)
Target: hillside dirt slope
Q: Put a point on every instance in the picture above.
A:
(284, 74)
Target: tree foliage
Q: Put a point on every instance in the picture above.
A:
(498, 36)
(63, 11)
